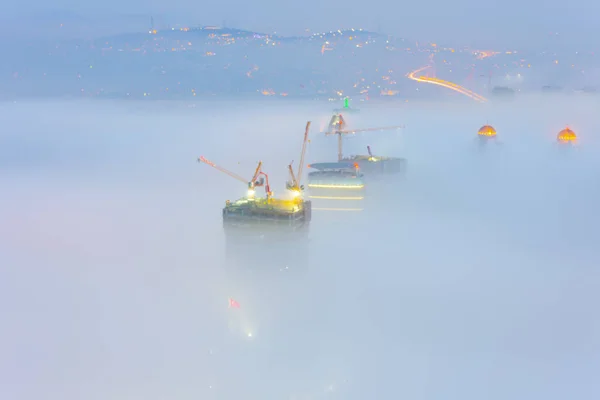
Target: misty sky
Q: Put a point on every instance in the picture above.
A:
(470, 22)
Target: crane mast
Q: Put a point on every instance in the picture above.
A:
(301, 165)
(295, 185)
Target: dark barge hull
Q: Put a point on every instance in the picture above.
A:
(391, 166)
(274, 240)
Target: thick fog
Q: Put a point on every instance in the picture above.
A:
(475, 277)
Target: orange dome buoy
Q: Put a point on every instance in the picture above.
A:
(566, 136)
(487, 131)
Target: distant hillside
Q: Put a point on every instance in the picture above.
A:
(218, 34)
(184, 62)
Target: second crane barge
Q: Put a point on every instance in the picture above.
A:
(371, 165)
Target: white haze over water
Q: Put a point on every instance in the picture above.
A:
(475, 278)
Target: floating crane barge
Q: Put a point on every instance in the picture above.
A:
(260, 217)
(340, 186)
(370, 165)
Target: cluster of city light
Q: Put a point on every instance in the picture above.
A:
(217, 36)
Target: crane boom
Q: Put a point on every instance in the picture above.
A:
(293, 176)
(256, 172)
(351, 132)
(385, 128)
(215, 166)
(301, 165)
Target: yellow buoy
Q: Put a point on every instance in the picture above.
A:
(566, 136)
(487, 131)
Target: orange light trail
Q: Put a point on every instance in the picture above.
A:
(485, 54)
(446, 84)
